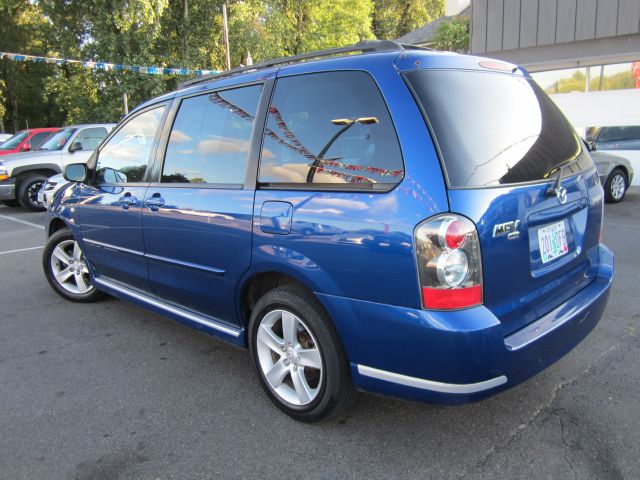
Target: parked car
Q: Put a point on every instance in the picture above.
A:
(4, 137)
(466, 266)
(22, 175)
(50, 187)
(623, 141)
(616, 174)
(26, 140)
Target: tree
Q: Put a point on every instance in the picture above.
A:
(452, 36)
(394, 18)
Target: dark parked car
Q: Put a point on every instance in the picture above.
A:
(412, 223)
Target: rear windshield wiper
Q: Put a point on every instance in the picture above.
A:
(553, 190)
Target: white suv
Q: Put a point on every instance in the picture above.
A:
(22, 174)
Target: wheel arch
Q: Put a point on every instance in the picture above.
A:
(54, 225)
(256, 283)
(47, 169)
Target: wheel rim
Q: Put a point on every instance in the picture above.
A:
(289, 357)
(32, 193)
(69, 268)
(617, 186)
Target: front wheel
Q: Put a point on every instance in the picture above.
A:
(616, 186)
(28, 192)
(66, 268)
(298, 355)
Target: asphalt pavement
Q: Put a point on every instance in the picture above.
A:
(109, 390)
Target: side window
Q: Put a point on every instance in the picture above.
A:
(211, 137)
(37, 140)
(90, 138)
(330, 128)
(125, 157)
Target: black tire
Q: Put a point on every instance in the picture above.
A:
(10, 203)
(28, 192)
(336, 391)
(612, 185)
(64, 235)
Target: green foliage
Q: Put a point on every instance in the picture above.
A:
(172, 33)
(577, 82)
(453, 36)
(394, 18)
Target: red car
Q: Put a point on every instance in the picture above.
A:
(26, 140)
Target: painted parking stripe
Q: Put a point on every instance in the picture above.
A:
(21, 250)
(24, 222)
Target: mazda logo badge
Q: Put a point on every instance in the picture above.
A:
(561, 193)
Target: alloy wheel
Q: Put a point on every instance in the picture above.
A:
(617, 186)
(289, 357)
(69, 267)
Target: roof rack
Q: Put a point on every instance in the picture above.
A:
(364, 46)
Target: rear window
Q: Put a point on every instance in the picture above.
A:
(495, 129)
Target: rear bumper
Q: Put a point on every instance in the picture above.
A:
(462, 356)
(8, 190)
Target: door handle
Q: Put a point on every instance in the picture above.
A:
(154, 202)
(127, 200)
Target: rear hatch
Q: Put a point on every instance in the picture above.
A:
(504, 145)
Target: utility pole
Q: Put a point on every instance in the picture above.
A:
(125, 104)
(225, 27)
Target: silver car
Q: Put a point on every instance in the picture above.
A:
(616, 174)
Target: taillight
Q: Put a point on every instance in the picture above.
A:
(449, 263)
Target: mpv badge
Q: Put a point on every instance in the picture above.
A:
(561, 193)
(508, 228)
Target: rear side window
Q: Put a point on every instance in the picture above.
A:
(211, 137)
(619, 134)
(90, 138)
(330, 129)
(495, 129)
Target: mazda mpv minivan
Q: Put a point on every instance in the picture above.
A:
(412, 223)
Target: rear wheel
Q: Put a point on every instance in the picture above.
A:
(28, 192)
(616, 186)
(66, 268)
(298, 355)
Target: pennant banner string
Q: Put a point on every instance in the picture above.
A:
(19, 57)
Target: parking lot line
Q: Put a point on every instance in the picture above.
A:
(21, 250)
(24, 222)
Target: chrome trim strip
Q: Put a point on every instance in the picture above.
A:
(113, 247)
(195, 266)
(431, 384)
(194, 317)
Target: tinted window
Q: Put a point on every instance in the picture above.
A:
(495, 129)
(330, 128)
(57, 140)
(129, 150)
(211, 137)
(618, 134)
(37, 140)
(14, 141)
(90, 138)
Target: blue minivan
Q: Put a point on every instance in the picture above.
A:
(379, 217)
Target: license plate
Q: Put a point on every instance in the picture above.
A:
(553, 241)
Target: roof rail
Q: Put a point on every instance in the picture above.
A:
(364, 46)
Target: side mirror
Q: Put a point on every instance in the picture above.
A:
(75, 146)
(591, 146)
(25, 148)
(75, 172)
